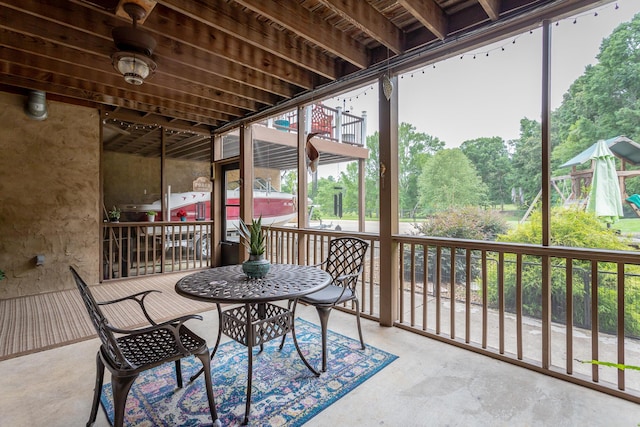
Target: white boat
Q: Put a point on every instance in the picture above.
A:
(275, 207)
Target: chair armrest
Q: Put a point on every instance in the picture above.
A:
(139, 298)
(177, 322)
(132, 296)
(172, 325)
(319, 264)
(344, 277)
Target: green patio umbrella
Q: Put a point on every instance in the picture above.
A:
(604, 197)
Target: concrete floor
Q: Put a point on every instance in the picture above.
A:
(431, 384)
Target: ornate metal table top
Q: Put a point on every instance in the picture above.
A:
(230, 285)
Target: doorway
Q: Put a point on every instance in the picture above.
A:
(230, 204)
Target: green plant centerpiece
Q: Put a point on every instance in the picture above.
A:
(151, 216)
(114, 214)
(255, 240)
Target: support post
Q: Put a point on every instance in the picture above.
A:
(546, 193)
(303, 208)
(216, 198)
(361, 195)
(246, 182)
(388, 181)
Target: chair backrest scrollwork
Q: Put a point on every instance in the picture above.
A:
(100, 322)
(346, 257)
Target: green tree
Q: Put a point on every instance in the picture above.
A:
(605, 101)
(491, 159)
(349, 184)
(289, 181)
(371, 176)
(448, 179)
(414, 148)
(324, 196)
(579, 138)
(526, 162)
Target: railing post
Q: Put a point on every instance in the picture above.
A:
(363, 129)
(307, 119)
(621, 323)
(339, 124)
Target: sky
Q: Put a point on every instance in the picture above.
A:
(466, 98)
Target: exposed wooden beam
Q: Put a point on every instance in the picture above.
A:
(136, 117)
(188, 148)
(173, 30)
(161, 86)
(429, 14)
(233, 21)
(492, 7)
(362, 15)
(184, 56)
(234, 94)
(28, 63)
(223, 63)
(82, 89)
(221, 55)
(305, 23)
(172, 55)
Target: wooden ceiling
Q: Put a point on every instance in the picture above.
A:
(221, 62)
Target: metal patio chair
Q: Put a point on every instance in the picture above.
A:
(134, 351)
(345, 263)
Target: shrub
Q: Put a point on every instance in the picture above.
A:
(471, 223)
(464, 223)
(316, 213)
(569, 227)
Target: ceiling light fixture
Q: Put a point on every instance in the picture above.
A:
(135, 47)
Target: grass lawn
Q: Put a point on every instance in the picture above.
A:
(627, 225)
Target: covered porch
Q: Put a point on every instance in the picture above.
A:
(463, 359)
(500, 353)
(431, 383)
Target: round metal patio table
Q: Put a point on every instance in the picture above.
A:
(256, 321)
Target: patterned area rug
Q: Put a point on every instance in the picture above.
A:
(285, 392)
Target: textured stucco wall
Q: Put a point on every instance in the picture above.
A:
(49, 196)
(130, 179)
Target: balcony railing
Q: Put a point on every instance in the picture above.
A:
(143, 248)
(488, 297)
(329, 123)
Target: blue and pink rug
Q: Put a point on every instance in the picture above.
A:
(285, 392)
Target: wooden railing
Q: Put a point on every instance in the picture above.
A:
(329, 123)
(309, 247)
(498, 305)
(143, 248)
